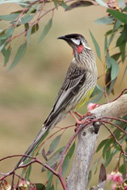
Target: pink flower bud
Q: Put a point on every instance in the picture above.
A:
(92, 106)
(115, 177)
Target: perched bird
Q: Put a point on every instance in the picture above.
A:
(79, 82)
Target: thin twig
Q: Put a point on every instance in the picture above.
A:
(114, 118)
(114, 125)
(125, 154)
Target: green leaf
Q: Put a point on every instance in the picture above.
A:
(122, 50)
(108, 61)
(71, 150)
(31, 9)
(39, 186)
(98, 97)
(28, 172)
(116, 146)
(123, 169)
(35, 28)
(114, 69)
(107, 146)
(108, 160)
(122, 38)
(111, 38)
(46, 29)
(116, 56)
(106, 45)
(117, 25)
(102, 143)
(64, 5)
(110, 86)
(104, 20)
(55, 157)
(65, 164)
(56, 4)
(96, 91)
(20, 2)
(19, 55)
(49, 185)
(7, 33)
(96, 46)
(9, 17)
(118, 15)
(54, 145)
(1, 47)
(26, 19)
(102, 3)
(29, 35)
(6, 53)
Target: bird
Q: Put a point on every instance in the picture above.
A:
(79, 83)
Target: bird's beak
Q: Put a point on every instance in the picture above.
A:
(64, 38)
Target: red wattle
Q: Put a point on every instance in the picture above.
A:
(80, 49)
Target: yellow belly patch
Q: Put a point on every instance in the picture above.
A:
(84, 99)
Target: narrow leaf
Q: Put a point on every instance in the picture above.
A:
(7, 33)
(65, 164)
(122, 50)
(9, 17)
(26, 19)
(20, 53)
(71, 150)
(55, 157)
(6, 53)
(46, 30)
(102, 3)
(118, 15)
(96, 46)
(64, 5)
(104, 20)
(54, 145)
(108, 61)
(39, 186)
(115, 69)
(102, 143)
(116, 56)
(35, 28)
(29, 35)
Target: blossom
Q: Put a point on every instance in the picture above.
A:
(92, 106)
(116, 177)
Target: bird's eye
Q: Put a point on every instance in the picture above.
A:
(76, 41)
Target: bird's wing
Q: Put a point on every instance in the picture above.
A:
(73, 82)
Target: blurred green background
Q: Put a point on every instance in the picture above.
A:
(28, 91)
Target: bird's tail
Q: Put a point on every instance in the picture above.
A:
(48, 124)
(38, 139)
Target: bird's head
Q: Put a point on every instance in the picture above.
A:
(76, 41)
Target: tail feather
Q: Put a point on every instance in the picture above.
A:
(38, 139)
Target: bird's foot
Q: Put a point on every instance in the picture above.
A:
(86, 118)
(81, 116)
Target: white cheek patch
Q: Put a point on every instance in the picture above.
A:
(85, 46)
(77, 42)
